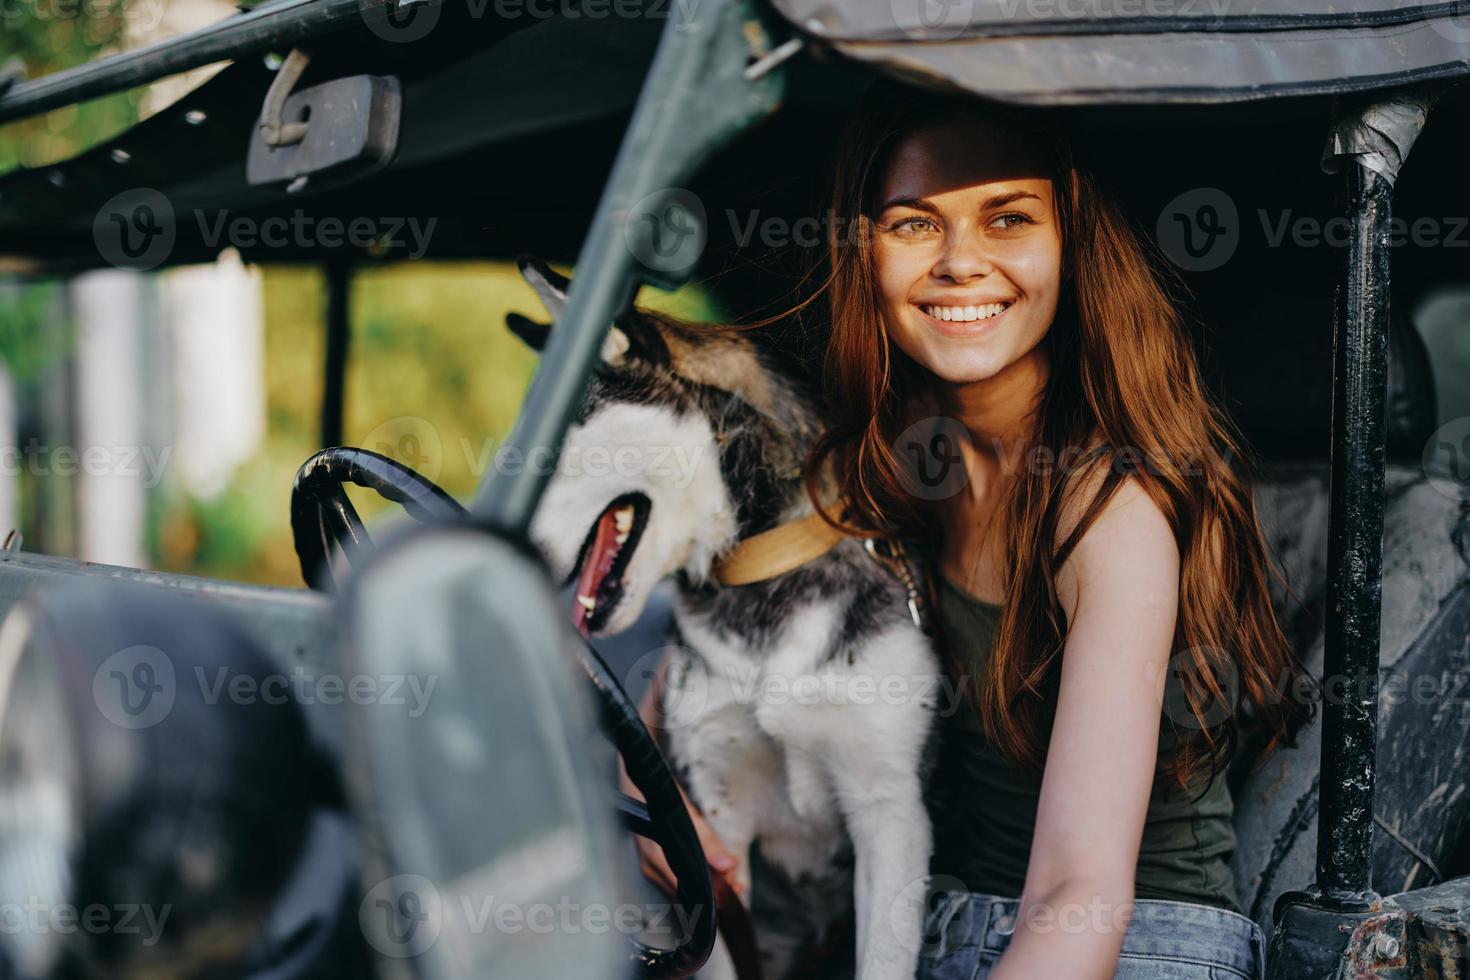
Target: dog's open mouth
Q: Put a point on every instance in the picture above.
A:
(605, 554)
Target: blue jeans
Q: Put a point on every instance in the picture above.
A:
(966, 932)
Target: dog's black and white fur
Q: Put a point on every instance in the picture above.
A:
(781, 726)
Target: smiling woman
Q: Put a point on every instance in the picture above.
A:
(1107, 616)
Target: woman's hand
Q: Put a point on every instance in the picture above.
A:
(651, 858)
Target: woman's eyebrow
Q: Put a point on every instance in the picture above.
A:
(924, 204)
(917, 203)
(1010, 197)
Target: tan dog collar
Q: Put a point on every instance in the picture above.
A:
(776, 551)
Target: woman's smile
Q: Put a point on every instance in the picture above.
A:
(964, 320)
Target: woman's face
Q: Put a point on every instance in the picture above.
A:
(967, 249)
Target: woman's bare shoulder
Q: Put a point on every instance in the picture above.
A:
(1127, 543)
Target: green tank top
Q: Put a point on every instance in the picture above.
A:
(984, 805)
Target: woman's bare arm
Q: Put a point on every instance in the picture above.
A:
(1120, 589)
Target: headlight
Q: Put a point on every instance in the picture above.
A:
(148, 813)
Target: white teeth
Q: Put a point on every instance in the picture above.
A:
(965, 314)
(621, 538)
(623, 518)
(588, 603)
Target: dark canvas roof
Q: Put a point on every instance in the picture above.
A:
(509, 128)
(544, 107)
(924, 20)
(1146, 51)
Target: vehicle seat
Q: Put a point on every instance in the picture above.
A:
(1423, 732)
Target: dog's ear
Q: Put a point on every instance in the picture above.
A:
(641, 340)
(530, 331)
(535, 335)
(549, 284)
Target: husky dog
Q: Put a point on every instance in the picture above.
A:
(804, 710)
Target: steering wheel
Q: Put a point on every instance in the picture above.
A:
(323, 520)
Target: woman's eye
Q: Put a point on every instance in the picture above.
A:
(1014, 219)
(913, 227)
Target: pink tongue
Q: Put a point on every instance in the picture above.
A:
(595, 567)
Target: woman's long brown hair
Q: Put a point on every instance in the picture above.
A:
(1123, 384)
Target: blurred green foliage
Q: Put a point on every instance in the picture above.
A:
(34, 333)
(38, 37)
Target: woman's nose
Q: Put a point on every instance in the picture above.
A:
(964, 257)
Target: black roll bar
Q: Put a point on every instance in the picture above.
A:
(1369, 142)
(716, 72)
